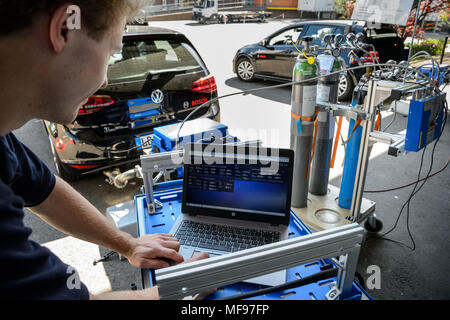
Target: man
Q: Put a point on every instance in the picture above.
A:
(48, 69)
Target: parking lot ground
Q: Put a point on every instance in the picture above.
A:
(405, 274)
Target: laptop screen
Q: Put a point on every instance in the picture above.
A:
(241, 185)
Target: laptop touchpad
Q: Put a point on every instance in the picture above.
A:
(186, 252)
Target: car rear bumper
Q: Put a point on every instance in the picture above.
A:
(82, 155)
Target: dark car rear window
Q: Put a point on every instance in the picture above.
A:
(138, 58)
(381, 33)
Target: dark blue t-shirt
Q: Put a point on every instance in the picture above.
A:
(28, 270)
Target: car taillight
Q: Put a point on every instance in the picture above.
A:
(83, 166)
(96, 104)
(205, 85)
(374, 56)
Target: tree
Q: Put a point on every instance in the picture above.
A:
(426, 7)
(345, 9)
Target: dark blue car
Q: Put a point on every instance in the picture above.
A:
(274, 57)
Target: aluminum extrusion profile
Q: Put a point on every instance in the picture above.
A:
(188, 279)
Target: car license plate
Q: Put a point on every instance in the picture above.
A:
(146, 141)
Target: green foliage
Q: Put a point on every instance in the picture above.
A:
(432, 46)
(344, 8)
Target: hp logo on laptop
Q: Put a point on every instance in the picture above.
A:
(157, 96)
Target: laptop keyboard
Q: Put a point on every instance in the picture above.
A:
(222, 238)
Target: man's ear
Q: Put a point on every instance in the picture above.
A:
(58, 28)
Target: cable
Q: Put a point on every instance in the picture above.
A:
(415, 190)
(393, 120)
(106, 257)
(177, 141)
(421, 54)
(401, 211)
(410, 184)
(360, 279)
(357, 123)
(290, 285)
(430, 81)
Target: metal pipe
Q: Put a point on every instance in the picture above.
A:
(363, 160)
(443, 51)
(121, 181)
(414, 33)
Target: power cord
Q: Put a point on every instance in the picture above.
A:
(290, 285)
(106, 257)
(411, 69)
(405, 68)
(415, 190)
(409, 184)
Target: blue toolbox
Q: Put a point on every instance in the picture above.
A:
(164, 138)
(170, 196)
(143, 111)
(202, 129)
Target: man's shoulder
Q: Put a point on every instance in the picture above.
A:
(10, 140)
(23, 171)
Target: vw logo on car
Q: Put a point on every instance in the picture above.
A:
(157, 96)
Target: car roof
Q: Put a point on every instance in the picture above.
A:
(147, 30)
(344, 22)
(333, 22)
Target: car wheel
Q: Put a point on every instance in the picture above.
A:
(61, 171)
(215, 18)
(346, 87)
(245, 70)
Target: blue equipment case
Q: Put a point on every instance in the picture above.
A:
(143, 111)
(425, 121)
(170, 195)
(428, 70)
(164, 138)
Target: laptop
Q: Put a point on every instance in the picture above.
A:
(234, 198)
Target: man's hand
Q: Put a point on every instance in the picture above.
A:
(153, 251)
(197, 257)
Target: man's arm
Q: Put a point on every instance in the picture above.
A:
(68, 211)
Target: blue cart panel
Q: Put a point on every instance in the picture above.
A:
(170, 195)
